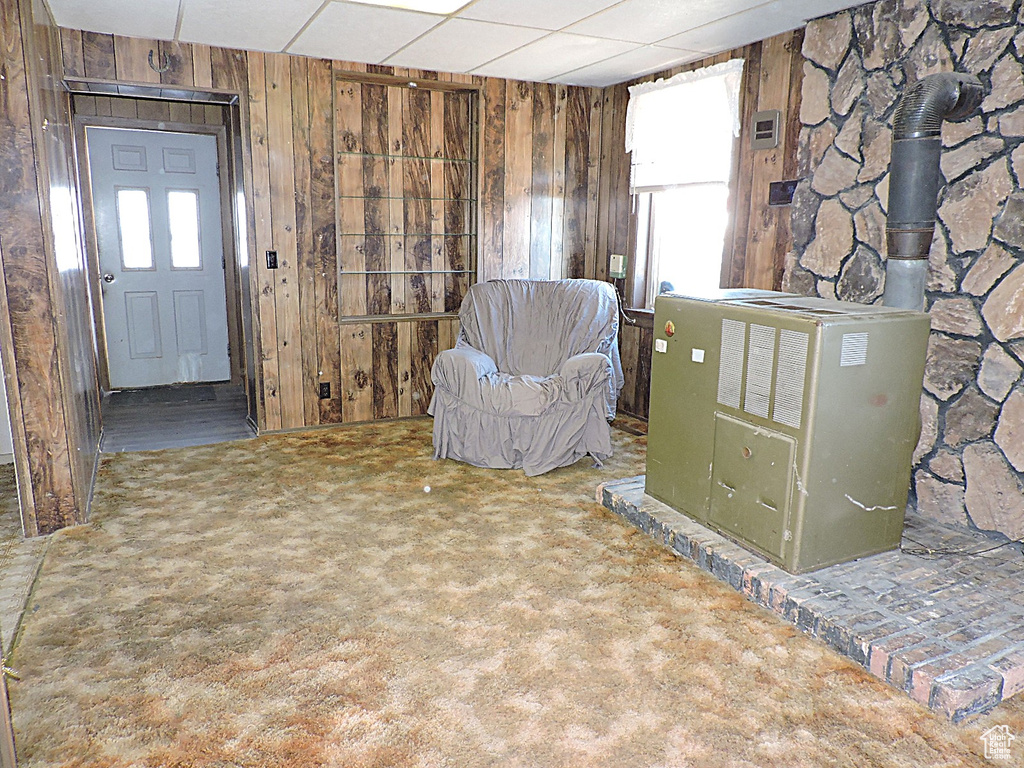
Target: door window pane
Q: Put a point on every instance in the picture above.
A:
(133, 224)
(183, 215)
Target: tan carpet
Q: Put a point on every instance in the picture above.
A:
(301, 600)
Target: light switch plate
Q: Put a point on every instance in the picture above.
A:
(660, 345)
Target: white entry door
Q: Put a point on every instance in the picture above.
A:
(156, 198)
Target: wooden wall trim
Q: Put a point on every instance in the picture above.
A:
(431, 83)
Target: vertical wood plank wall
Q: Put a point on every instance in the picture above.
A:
(406, 237)
(44, 307)
(68, 282)
(759, 236)
(539, 153)
(554, 202)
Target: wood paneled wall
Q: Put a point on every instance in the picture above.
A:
(759, 236)
(539, 149)
(45, 315)
(553, 202)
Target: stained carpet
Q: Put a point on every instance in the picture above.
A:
(304, 600)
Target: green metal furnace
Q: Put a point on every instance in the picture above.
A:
(786, 423)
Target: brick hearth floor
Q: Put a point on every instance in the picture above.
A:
(948, 630)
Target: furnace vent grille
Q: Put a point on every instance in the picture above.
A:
(730, 370)
(855, 349)
(760, 359)
(789, 378)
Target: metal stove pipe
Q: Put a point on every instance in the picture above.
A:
(914, 179)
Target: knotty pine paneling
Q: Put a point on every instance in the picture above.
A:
(759, 236)
(532, 203)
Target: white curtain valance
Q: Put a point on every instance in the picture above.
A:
(681, 130)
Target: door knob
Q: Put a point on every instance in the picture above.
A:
(108, 277)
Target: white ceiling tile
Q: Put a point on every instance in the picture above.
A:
(543, 14)
(739, 29)
(233, 24)
(153, 19)
(552, 55)
(647, 21)
(361, 32)
(441, 7)
(627, 66)
(459, 45)
(812, 9)
(587, 32)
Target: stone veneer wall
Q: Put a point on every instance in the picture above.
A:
(969, 465)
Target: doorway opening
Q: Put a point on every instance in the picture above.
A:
(166, 228)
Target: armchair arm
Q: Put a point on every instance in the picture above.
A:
(454, 369)
(589, 372)
(473, 378)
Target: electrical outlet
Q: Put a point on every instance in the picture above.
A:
(325, 390)
(271, 259)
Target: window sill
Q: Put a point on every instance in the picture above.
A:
(643, 318)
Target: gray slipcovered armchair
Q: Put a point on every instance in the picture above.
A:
(534, 376)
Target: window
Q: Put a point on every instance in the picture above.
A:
(681, 133)
(183, 220)
(133, 220)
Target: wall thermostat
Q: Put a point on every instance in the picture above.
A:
(766, 129)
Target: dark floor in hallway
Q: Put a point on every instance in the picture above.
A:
(173, 417)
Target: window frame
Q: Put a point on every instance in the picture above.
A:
(639, 266)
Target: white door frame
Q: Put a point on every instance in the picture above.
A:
(228, 226)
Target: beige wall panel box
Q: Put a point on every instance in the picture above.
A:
(766, 129)
(617, 266)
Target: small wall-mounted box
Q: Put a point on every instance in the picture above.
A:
(781, 192)
(617, 266)
(766, 129)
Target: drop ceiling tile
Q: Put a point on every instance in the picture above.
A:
(629, 65)
(365, 33)
(153, 19)
(648, 21)
(739, 29)
(542, 14)
(550, 56)
(459, 45)
(234, 24)
(812, 9)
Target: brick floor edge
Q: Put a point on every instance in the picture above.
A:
(948, 632)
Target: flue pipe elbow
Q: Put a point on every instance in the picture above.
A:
(914, 178)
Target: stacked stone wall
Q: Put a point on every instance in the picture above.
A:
(969, 464)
